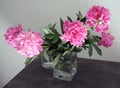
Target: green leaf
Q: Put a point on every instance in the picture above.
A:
(78, 49)
(28, 61)
(66, 52)
(55, 40)
(49, 25)
(52, 29)
(46, 31)
(46, 55)
(61, 45)
(85, 47)
(83, 19)
(42, 53)
(52, 51)
(79, 15)
(69, 18)
(49, 36)
(61, 23)
(90, 51)
(73, 47)
(97, 49)
(54, 25)
(56, 59)
(96, 38)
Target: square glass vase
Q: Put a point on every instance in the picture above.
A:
(66, 67)
(47, 64)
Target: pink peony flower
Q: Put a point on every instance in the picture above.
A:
(12, 33)
(99, 18)
(66, 25)
(75, 33)
(29, 43)
(106, 40)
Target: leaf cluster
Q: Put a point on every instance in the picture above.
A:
(54, 46)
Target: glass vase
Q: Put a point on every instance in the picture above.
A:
(66, 67)
(47, 64)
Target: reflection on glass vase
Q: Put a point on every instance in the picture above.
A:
(47, 64)
(66, 67)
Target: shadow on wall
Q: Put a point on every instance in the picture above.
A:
(10, 62)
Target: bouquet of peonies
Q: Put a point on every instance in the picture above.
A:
(86, 32)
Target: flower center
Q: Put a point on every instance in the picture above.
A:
(100, 22)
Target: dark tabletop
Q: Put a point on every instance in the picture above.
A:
(90, 74)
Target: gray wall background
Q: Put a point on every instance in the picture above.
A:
(36, 14)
